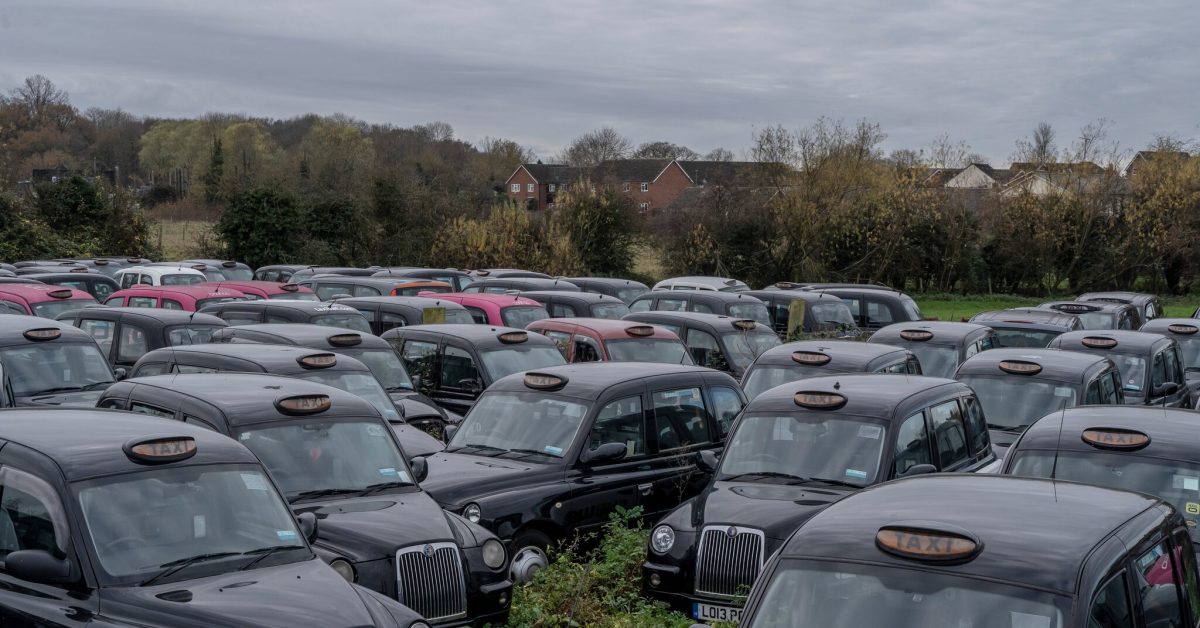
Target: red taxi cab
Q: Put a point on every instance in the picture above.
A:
(255, 290)
(607, 340)
(187, 298)
(47, 301)
(504, 310)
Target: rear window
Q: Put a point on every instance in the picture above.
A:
(610, 310)
(355, 321)
(203, 302)
(51, 309)
(183, 279)
(190, 334)
(521, 315)
(911, 309)
(295, 296)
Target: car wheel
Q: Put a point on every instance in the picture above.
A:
(528, 555)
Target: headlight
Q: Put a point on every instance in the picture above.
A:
(493, 553)
(471, 513)
(662, 539)
(344, 569)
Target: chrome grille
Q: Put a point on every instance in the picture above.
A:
(429, 580)
(727, 564)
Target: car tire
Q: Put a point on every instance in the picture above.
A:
(528, 555)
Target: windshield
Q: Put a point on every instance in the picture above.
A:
(190, 334)
(200, 303)
(1133, 373)
(610, 310)
(355, 321)
(184, 279)
(1024, 337)
(1173, 481)
(502, 362)
(1097, 320)
(51, 367)
(237, 273)
(841, 595)
(662, 350)
(760, 379)
(295, 296)
(804, 446)
(521, 315)
(755, 311)
(316, 458)
(51, 309)
(415, 290)
(385, 365)
(936, 360)
(629, 295)
(144, 523)
(1018, 401)
(358, 383)
(527, 423)
(830, 317)
(1190, 349)
(744, 347)
(459, 317)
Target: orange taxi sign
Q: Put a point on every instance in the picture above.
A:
(1115, 438)
(160, 450)
(928, 545)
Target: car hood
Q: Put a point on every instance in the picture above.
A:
(270, 596)
(76, 399)
(416, 405)
(776, 509)
(1002, 440)
(455, 479)
(375, 526)
(415, 442)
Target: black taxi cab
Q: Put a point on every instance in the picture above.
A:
(333, 458)
(983, 551)
(1146, 450)
(1150, 364)
(715, 341)
(1149, 306)
(1186, 332)
(329, 286)
(733, 304)
(455, 363)
(801, 315)
(418, 410)
(1020, 386)
(550, 452)
(125, 334)
(940, 345)
(794, 361)
(566, 304)
(98, 285)
(794, 450)
(115, 519)
(1027, 327)
(46, 362)
(624, 289)
(504, 285)
(276, 272)
(1098, 314)
(285, 311)
(340, 371)
(384, 313)
(873, 306)
(457, 279)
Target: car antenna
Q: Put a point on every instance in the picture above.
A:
(1062, 418)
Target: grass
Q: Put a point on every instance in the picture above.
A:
(179, 239)
(948, 307)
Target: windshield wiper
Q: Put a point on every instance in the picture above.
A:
(765, 474)
(60, 389)
(835, 482)
(374, 488)
(176, 565)
(264, 552)
(1011, 429)
(528, 452)
(95, 385)
(498, 450)
(320, 493)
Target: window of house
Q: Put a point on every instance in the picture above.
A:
(645, 187)
(643, 206)
(551, 187)
(529, 188)
(626, 187)
(516, 187)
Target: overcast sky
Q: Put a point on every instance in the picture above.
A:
(698, 73)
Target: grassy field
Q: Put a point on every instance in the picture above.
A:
(955, 308)
(179, 239)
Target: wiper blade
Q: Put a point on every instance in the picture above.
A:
(1012, 429)
(482, 448)
(51, 391)
(374, 488)
(264, 552)
(528, 452)
(320, 493)
(175, 566)
(836, 482)
(765, 474)
(95, 385)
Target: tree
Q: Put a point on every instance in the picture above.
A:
(664, 150)
(216, 172)
(603, 227)
(436, 131)
(947, 153)
(259, 227)
(594, 147)
(40, 98)
(1039, 148)
(719, 154)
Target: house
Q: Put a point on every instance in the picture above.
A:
(536, 185)
(1144, 158)
(979, 176)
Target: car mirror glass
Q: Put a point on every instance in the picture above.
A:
(919, 469)
(448, 433)
(308, 525)
(608, 452)
(37, 566)
(420, 468)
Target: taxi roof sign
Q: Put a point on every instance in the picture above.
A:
(318, 360)
(304, 404)
(1020, 367)
(44, 333)
(289, 287)
(1115, 438)
(513, 337)
(161, 449)
(60, 294)
(745, 324)
(811, 358)
(819, 400)
(928, 542)
(544, 381)
(1099, 342)
(640, 330)
(916, 335)
(1075, 307)
(344, 340)
(1180, 328)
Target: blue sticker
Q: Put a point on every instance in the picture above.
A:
(390, 472)
(855, 473)
(285, 535)
(551, 449)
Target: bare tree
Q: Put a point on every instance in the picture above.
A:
(719, 154)
(947, 153)
(1039, 148)
(664, 150)
(597, 146)
(1093, 144)
(1168, 143)
(38, 96)
(436, 131)
(907, 158)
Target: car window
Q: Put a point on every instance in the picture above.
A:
(1174, 372)
(680, 419)
(671, 305)
(558, 310)
(1160, 596)
(949, 435)
(16, 308)
(1110, 608)
(1092, 396)
(31, 515)
(128, 279)
(896, 367)
(641, 305)
(561, 339)
(674, 329)
(240, 318)
(481, 317)
(388, 320)
(726, 406)
(100, 331)
(705, 349)
(1108, 388)
(620, 422)
(276, 319)
(1187, 564)
(878, 313)
(150, 368)
(1160, 372)
(139, 407)
(132, 344)
(586, 349)
(102, 289)
(191, 368)
(701, 308)
(326, 291)
(912, 444)
(855, 309)
(977, 434)
(459, 370)
(171, 304)
(366, 291)
(143, 302)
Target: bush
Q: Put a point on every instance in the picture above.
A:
(260, 227)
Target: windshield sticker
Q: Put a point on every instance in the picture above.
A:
(375, 430)
(388, 472)
(1192, 508)
(551, 449)
(855, 473)
(254, 481)
(285, 535)
(1186, 483)
(870, 431)
(199, 527)
(1028, 620)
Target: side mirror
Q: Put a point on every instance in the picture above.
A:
(919, 469)
(308, 526)
(471, 385)
(399, 408)
(1169, 388)
(37, 566)
(420, 469)
(448, 432)
(416, 381)
(706, 461)
(608, 452)
(120, 373)
(340, 295)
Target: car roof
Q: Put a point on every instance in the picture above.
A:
(417, 302)
(246, 398)
(719, 322)
(718, 282)
(305, 334)
(606, 328)
(592, 379)
(399, 270)
(846, 356)
(40, 292)
(539, 283)
(13, 328)
(508, 273)
(162, 315)
(1162, 326)
(712, 296)
(319, 307)
(866, 394)
(792, 295)
(843, 289)
(196, 291)
(569, 295)
(501, 300)
(944, 332)
(1117, 294)
(271, 357)
(384, 283)
(1127, 341)
(87, 442)
(43, 277)
(1026, 318)
(161, 268)
(613, 281)
(1056, 364)
(269, 286)
(1034, 531)
(478, 335)
(1172, 431)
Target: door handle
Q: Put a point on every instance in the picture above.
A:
(645, 489)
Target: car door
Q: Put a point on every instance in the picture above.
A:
(705, 349)
(371, 311)
(629, 482)
(854, 301)
(459, 380)
(133, 341)
(681, 424)
(949, 433)
(1159, 596)
(104, 332)
(1173, 367)
(912, 445)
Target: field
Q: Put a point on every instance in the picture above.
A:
(179, 239)
(945, 307)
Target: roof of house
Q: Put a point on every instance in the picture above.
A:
(631, 169)
(720, 172)
(552, 173)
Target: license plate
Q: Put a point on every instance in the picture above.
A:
(700, 610)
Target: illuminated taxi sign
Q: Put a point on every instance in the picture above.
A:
(289, 287)
(1099, 342)
(810, 358)
(927, 544)
(786, 285)
(544, 381)
(513, 337)
(1020, 367)
(229, 264)
(199, 266)
(1115, 438)
(60, 294)
(161, 450)
(47, 333)
(79, 269)
(1076, 307)
(819, 400)
(318, 361)
(916, 335)
(745, 324)
(640, 330)
(344, 340)
(304, 404)
(1179, 328)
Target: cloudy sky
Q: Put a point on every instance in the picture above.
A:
(700, 73)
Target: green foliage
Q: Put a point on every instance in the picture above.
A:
(603, 228)
(601, 587)
(260, 227)
(508, 237)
